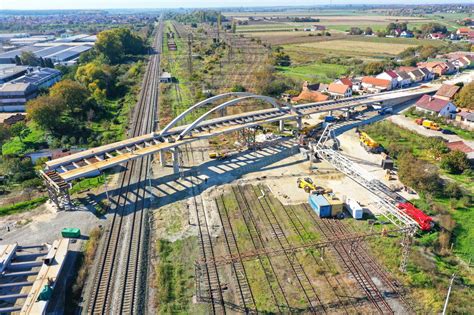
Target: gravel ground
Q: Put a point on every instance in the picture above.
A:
(46, 225)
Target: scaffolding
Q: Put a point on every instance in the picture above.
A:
(58, 190)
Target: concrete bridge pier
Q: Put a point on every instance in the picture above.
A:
(330, 113)
(163, 158)
(281, 125)
(299, 122)
(175, 160)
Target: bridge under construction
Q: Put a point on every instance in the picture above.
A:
(60, 172)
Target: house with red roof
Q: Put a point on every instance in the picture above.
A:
(311, 93)
(391, 76)
(463, 32)
(376, 85)
(338, 90)
(436, 106)
(346, 81)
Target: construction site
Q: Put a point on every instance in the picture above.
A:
(225, 201)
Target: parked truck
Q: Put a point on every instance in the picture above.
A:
(428, 124)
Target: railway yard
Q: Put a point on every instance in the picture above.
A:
(226, 216)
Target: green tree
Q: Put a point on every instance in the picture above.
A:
(28, 58)
(46, 112)
(455, 162)
(372, 68)
(5, 133)
(234, 26)
(465, 97)
(110, 45)
(73, 94)
(20, 130)
(97, 78)
(418, 174)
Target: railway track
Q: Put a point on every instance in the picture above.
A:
(246, 295)
(299, 229)
(116, 286)
(275, 285)
(353, 261)
(309, 292)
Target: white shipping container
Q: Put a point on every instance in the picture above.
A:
(354, 208)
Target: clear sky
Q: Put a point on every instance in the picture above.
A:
(104, 4)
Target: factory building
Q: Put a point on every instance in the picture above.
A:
(58, 53)
(15, 94)
(10, 72)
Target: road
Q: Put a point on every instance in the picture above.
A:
(410, 124)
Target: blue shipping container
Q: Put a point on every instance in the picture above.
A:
(320, 205)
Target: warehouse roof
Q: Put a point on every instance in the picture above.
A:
(38, 75)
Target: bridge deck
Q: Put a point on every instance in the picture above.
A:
(90, 161)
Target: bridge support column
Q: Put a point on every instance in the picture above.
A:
(330, 113)
(299, 122)
(281, 125)
(175, 160)
(163, 158)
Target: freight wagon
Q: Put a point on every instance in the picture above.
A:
(320, 205)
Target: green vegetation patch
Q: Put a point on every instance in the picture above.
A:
(31, 142)
(314, 72)
(175, 277)
(22, 206)
(87, 183)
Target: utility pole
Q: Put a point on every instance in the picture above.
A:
(406, 246)
(449, 293)
(190, 57)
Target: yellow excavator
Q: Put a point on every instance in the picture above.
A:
(369, 144)
(306, 183)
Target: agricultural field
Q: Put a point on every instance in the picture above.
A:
(314, 72)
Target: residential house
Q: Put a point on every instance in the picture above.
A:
(463, 147)
(376, 85)
(439, 68)
(427, 73)
(436, 106)
(451, 68)
(437, 36)
(346, 81)
(417, 75)
(461, 63)
(447, 91)
(319, 28)
(406, 68)
(403, 79)
(463, 32)
(466, 118)
(389, 75)
(407, 34)
(312, 93)
(339, 90)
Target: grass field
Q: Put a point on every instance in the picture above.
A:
(314, 72)
(366, 48)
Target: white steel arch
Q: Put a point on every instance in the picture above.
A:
(267, 99)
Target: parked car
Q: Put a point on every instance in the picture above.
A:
(447, 132)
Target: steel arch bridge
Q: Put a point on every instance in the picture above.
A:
(59, 172)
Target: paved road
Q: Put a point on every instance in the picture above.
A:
(410, 124)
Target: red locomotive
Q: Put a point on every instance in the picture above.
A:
(425, 221)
